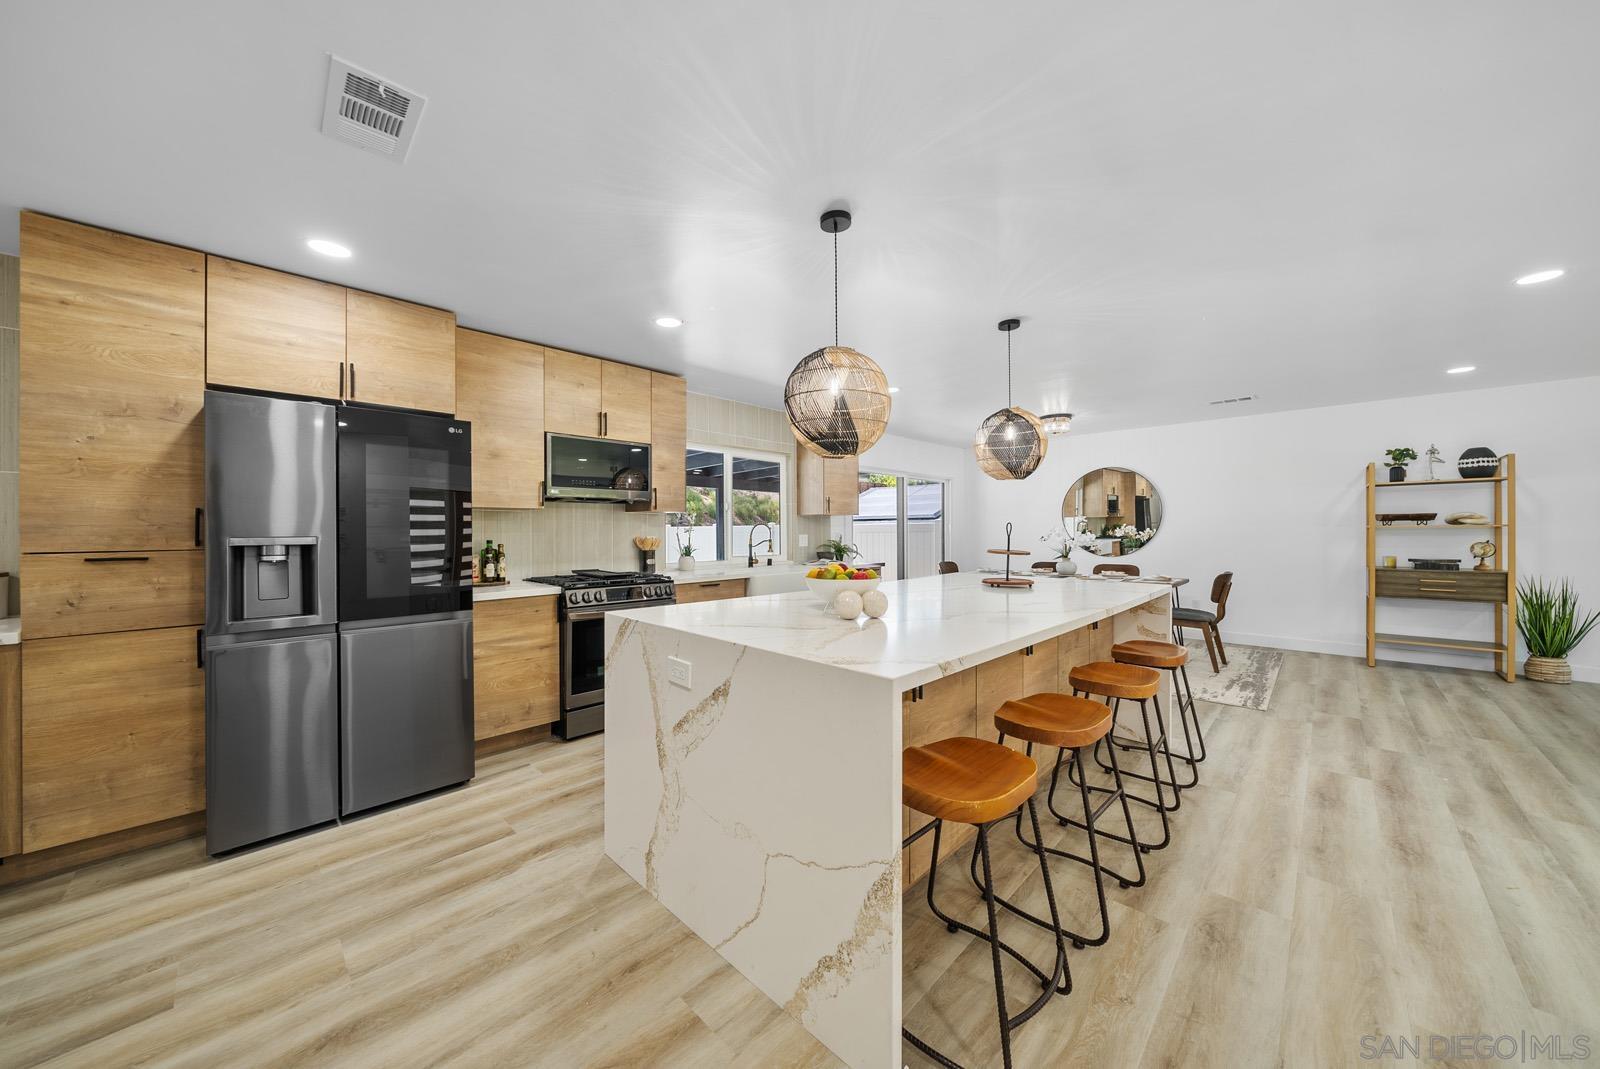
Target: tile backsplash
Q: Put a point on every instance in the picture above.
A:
(560, 537)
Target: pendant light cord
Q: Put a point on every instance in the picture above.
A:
(1008, 369)
(836, 289)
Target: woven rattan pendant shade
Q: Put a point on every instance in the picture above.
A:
(1010, 443)
(837, 399)
(838, 402)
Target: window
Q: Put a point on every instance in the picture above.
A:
(728, 495)
(899, 523)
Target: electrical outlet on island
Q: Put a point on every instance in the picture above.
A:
(678, 671)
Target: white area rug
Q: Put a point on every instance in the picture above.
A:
(1246, 680)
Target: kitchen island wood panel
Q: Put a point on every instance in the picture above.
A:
(112, 390)
(516, 653)
(92, 593)
(113, 733)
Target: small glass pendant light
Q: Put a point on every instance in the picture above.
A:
(1056, 422)
(837, 398)
(1011, 442)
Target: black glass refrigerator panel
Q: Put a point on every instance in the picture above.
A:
(405, 514)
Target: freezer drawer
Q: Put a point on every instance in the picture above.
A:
(271, 739)
(405, 702)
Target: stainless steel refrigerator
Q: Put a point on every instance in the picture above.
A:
(338, 639)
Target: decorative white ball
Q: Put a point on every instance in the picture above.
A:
(847, 605)
(875, 603)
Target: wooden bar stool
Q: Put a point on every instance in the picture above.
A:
(1171, 657)
(1072, 725)
(1115, 682)
(977, 782)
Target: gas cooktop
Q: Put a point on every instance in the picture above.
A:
(598, 589)
(591, 578)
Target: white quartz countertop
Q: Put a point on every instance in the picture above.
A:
(517, 588)
(10, 631)
(934, 627)
(521, 588)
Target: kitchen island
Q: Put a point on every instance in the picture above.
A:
(752, 779)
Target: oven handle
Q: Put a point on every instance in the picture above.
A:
(597, 613)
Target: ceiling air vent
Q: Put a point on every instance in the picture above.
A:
(1233, 400)
(364, 110)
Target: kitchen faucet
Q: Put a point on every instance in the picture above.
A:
(750, 554)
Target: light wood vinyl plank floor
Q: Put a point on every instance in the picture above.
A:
(1386, 851)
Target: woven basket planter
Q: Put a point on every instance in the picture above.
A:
(1547, 669)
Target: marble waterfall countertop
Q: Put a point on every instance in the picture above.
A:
(935, 626)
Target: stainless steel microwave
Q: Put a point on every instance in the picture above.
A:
(595, 469)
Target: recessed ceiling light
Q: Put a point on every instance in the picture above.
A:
(668, 321)
(328, 248)
(894, 389)
(1541, 276)
(1460, 370)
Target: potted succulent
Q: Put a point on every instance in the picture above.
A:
(837, 549)
(1547, 617)
(1399, 457)
(1072, 533)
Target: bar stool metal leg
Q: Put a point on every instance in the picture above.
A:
(1152, 744)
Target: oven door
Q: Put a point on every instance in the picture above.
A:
(583, 656)
(405, 514)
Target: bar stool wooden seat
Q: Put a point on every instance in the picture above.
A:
(1072, 725)
(974, 781)
(1171, 657)
(1131, 682)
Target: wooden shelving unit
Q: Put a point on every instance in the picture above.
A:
(1434, 585)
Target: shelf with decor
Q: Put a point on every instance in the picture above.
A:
(1495, 587)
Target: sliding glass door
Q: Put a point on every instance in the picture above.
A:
(899, 523)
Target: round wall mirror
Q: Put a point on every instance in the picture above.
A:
(1118, 507)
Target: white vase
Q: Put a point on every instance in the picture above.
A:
(685, 564)
(1066, 566)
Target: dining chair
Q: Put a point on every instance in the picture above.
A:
(1208, 619)
(1123, 569)
(948, 567)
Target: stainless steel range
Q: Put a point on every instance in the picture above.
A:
(587, 594)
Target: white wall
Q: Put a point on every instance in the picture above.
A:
(1278, 499)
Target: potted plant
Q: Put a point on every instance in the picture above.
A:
(1072, 533)
(837, 549)
(685, 545)
(1399, 457)
(1547, 617)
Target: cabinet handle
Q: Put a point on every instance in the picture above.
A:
(352, 379)
(653, 506)
(708, 586)
(341, 380)
(113, 560)
(199, 647)
(199, 526)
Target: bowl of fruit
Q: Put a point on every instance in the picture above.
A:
(828, 580)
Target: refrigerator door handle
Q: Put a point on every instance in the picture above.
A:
(199, 647)
(466, 650)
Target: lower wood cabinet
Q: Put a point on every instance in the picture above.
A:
(113, 733)
(90, 593)
(516, 669)
(716, 590)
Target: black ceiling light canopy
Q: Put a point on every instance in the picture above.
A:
(837, 398)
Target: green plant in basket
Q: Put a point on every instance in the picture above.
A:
(1548, 620)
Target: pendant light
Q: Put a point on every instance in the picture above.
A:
(1011, 442)
(1056, 422)
(837, 399)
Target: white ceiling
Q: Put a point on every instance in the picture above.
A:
(1313, 202)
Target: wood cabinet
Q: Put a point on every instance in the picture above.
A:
(92, 593)
(10, 750)
(113, 733)
(399, 354)
(500, 389)
(713, 590)
(516, 665)
(1469, 585)
(668, 441)
(267, 330)
(937, 710)
(112, 390)
(626, 395)
(827, 486)
(571, 393)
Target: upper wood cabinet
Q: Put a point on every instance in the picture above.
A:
(625, 399)
(668, 441)
(500, 390)
(516, 666)
(595, 398)
(399, 354)
(267, 330)
(113, 733)
(112, 390)
(571, 393)
(828, 486)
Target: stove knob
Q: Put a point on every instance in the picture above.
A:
(588, 595)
